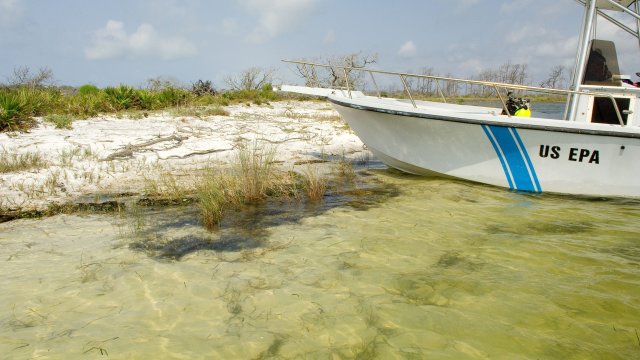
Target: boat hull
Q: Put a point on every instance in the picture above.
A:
(514, 156)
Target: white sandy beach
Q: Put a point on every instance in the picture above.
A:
(107, 154)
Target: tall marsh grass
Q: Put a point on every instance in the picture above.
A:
(211, 199)
(254, 168)
(315, 184)
(254, 177)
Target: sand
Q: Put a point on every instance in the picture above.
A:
(111, 155)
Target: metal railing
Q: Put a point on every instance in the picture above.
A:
(308, 68)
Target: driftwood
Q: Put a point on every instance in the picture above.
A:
(128, 150)
(201, 152)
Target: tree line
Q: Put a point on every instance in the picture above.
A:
(336, 76)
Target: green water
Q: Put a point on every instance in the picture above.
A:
(443, 270)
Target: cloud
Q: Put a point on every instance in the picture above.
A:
(10, 10)
(559, 48)
(407, 49)
(276, 16)
(112, 41)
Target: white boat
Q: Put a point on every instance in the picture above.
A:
(594, 151)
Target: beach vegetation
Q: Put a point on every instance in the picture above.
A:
(211, 199)
(315, 184)
(253, 177)
(88, 89)
(255, 170)
(202, 88)
(12, 112)
(29, 95)
(122, 97)
(171, 97)
(345, 170)
(59, 121)
(14, 162)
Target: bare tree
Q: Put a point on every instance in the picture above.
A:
(512, 73)
(507, 73)
(488, 75)
(556, 78)
(342, 71)
(22, 76)
(250, 79)
(425, 86)
(160, 83)
(421, 85)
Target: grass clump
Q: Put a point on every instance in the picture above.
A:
(255, 171)
(252, 178)
(167, 188)
(212, 200)
(315, 184)
(60, 121)
(345, 169)
(20, 162)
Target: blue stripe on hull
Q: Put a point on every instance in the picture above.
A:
(513, 156)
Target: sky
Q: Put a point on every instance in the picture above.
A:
(113, 42)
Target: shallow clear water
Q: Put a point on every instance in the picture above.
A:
(439, 269)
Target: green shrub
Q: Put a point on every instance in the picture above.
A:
(84, 106)
(173, 97)
(60, 121)
(148, 100)
(88, 89)
(38, 101)
(211, 100)
(263, 95)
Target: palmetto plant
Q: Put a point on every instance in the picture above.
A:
(11, 110)
(122, 97)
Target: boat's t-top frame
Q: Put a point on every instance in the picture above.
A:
(596, 65)
(595, 88)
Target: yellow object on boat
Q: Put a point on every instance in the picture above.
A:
(524, 112)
